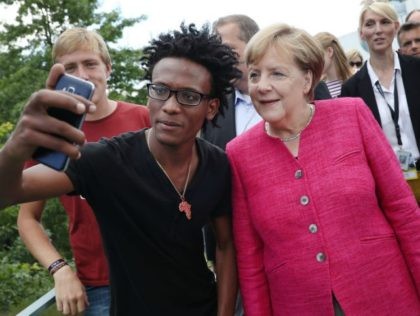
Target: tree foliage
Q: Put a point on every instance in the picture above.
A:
(25, 59)
(22, 279)
(26, 43)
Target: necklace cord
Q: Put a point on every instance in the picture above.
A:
(181, 195)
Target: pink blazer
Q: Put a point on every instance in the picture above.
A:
(339, 219)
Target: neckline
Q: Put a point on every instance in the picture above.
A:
(297, 135)
(184, 205)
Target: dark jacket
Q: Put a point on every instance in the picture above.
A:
(359, 85)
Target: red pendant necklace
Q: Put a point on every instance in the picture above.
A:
(184, 206)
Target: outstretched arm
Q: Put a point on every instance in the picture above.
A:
(70, 293)
(227, 283)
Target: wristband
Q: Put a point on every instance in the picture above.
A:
(56, 265)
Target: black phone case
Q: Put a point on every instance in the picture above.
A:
(54, 159)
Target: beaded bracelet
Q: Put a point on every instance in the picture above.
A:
(56, 265)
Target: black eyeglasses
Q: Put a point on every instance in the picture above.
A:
(183, 96)
(358, 64)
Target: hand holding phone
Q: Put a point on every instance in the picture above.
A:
(54, 159)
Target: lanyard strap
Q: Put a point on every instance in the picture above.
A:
(395, 113)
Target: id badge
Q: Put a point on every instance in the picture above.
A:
(404, 157)
(410, 174)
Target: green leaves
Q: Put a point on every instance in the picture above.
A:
(20, 276)
(112, 25)
(5, 129)
(26, 43)
(22, 279)
(20, 282)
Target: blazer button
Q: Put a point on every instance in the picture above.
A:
(320, 257)
(298, 174)
(304, 200)
(313, 228)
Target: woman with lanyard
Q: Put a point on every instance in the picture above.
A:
(388, 83)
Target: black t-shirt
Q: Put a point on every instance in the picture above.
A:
(155, 253)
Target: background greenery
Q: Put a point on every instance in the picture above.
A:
(25, 50)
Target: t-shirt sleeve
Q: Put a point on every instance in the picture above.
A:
(81, 169)
(72, 173)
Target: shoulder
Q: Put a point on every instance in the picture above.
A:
(248, 139)
(341, 103)
(129, 105)
(104, 142)
(343, 109)
(321, 91)
(132, 107)
(410, 65)
(115, 148)
(357, 77)
(210, 149)
(212, 156)
(411, 60)
(125, 140)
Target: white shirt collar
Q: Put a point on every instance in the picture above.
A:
(372, 74)
(240, 97)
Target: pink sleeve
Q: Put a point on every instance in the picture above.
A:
(249, 250)
(394, 194)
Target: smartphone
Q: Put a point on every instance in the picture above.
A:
(54, 159)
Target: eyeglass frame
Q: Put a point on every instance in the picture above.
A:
(176, 91)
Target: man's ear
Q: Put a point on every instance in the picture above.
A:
(213, 108)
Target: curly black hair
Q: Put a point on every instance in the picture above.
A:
(201, 47)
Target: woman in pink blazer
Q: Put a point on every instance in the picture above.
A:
(324, 222)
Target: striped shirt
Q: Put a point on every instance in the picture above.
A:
(334, 86)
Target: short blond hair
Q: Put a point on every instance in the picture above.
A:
(78, 38)
(381, 8)
(297, 43)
